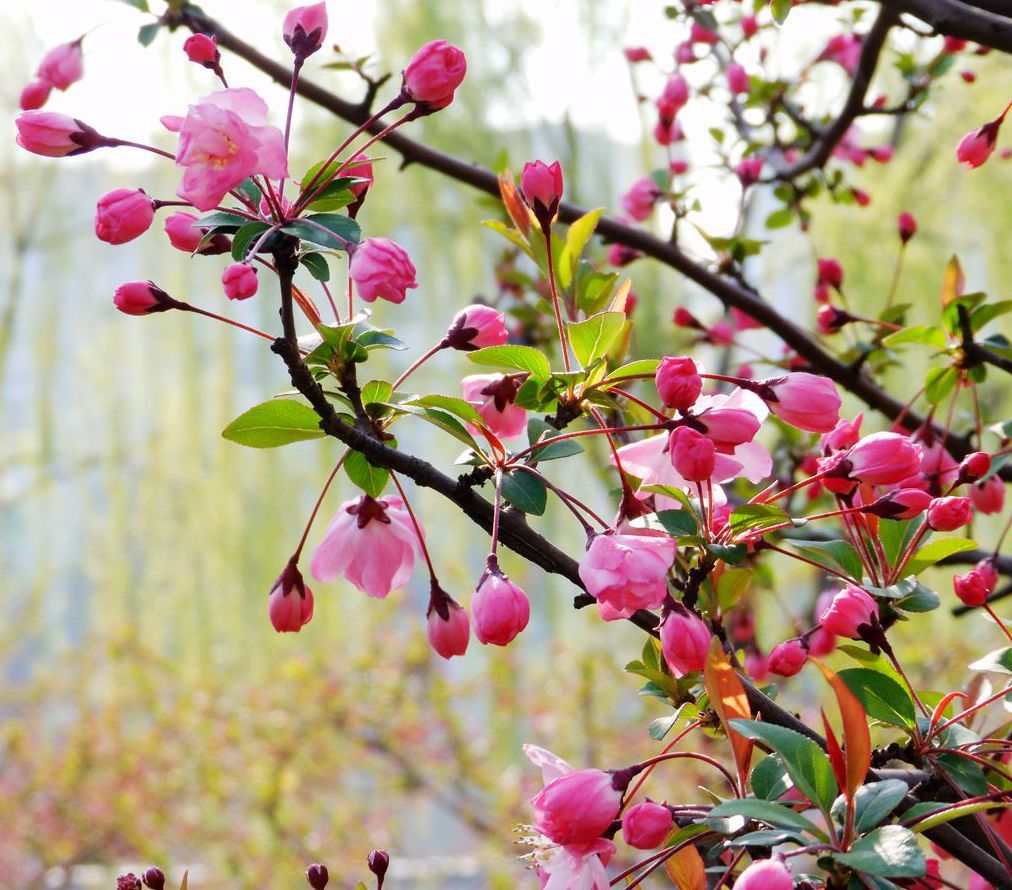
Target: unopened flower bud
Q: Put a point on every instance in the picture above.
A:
(379, 862)
(806, 401)
(290, 602)
(317, 876)
(143, 298)
(765, 874)
(541, 186)
(304, 30)
(949, 513)
(974, 587)
(575, 808)
(973, 467)
(976, 146)
(749, 170)
(830, 272)
(56, 135)
(692, 454)
(382, 269)
(447, 626)
(685, 640)
(476, 327)
(646, 825)
(154, 878)
(122, 215)
(34, 95)
(184, 235)
(678, 382)
(433, 74)
(851, 609)
(907, 226)
(129, 881)
(239, 281)
(788, 658)
(903, 503)
(203, 50)
(500, 608)
(63, 65)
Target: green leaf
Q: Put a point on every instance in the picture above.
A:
(765, 838)
(337, 194)
(881, 696)
(773, 814)
(895, 535)
(731, 555)
(936, 550)
(370, 478)
(939, 382)
(779, 219)
(872, 803)
(244, 238)
(221, 219)
(769, 778)
(806, 763)
(375, 392)
(634, 369)
(988, 312)
(522, 358)
(536, 428)
(329, 229)
(732, 584)
(997, 662)
(457, 407)
(510, 234)
(834, 554)
(580, 232)
(919, 334)
(446, 422)
(316, 264)
(780, 10)
(274, 423)
(888, 852)
(592, 338)
(526, 492)
(146, 34)
(677, 522)
(142, 5)
(751, 518)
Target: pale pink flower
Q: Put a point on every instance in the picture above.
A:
(62, 66)
(575, 866)
(627, 572)
(290, 602)
(765, 874)
(806, 401)
(224, 139)
(476, 327)
(646, 825)
(382, 269)
(494, 397)
(371, 542)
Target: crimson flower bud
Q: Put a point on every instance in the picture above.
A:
(678, 382)
(976, 146)
(831, 272)
(737, 78)
(122, 215)
(575, 808)
(447, 625)
(851, 609)
(203, 49)
(806, 401)
(646, 825)
(973, 467)
(907, 226)
(973, 587)
(904, 503)
(861, 197)
(382, 269)
(290, 602)
(788, 658)
(379, 862)
(129, 881)
(239, 281)
(317, 876)
(476, 327)
(685, 640)
(304, 30)
(765, 874)
(34, 95)
(143, 298)
(154, 878)
(829, 319)
(988, 496)
(620, 255)
(673, 98)
(748, 171)
(701, 34)
(635, 54)
(949, 513)
(56, 135)
(501, 609)
(685, 319)
(692, 454)
(433, 74)
(749, 26)
(541, 185)
(639, 201)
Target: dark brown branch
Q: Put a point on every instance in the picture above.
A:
(960, 20)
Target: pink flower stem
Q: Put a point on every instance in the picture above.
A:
(114, 143)
(260, 242)
(810, 562)
(646, 773)
(418, 528)
(897, 269)
(626, 487)
(987, 608)
(693, 755)
(296, 70)
(316, 506)
(563, 340)
(637, 401)
(330, 299)
(186, 307)
(496, 509)
(658, 859)
(959, 718)
(575, 434)
(351, 300)
(442, 344)
(571, 502)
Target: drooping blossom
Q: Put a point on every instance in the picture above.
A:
(122, 215)
(184, 235)
(500, 608)
(447, 626)
(476, 327)
(988, 497)
(305, 29)
(806, 401)
(382, 269)
(541, 186)
(290, 602)
(223, 139)
(494, 397)
(949, 513)
(685, 640)
(788, 658)
(62, 66)
(627, 572)
(851, 608)
(830, 272)
(978, 145)
(372, 542)
(646, 825)
(239, 281)
(900, 503)
(34, 95)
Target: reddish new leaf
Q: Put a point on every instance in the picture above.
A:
(728, 699)
(686, 869)
(856, 735)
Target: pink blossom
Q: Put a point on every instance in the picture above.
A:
(844, 435)
(627, 572)
(949, 513)
(476, 327)
(576, 807)
(619, 255)
(304, 29)
(203, 50)
(646, 825)
(748, 170)
(988, 497)
(701, 34)
(728, 427)
(34, 95)
(850, 610)
(806, 401)
(635, 54)
(831, 272)
(678, 382)
(434, 73)
(639, 201)
(290, 602)
(685, 640)
(749, 26)
(900, 503)
(743, 321)
(239, 281)
(494, 397)
(575, 866)
(974, 466)
(56, 135)
(500, 608)
(541, 186)
(447, 626)
(884, 458)
(224, 139)
(692, 454)
(757, 666)
(674, 97)
(973, 587)
(845, 50)
(122, 215)
(142, 298)
(977, 145)
(765, 874)
(831, 320)
(62, 66)
(382, 269)
(821, 642)
(371, 542)
(184, 235)
(788, 658)
(737, 78)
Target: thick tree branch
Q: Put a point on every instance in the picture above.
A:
(962, 20)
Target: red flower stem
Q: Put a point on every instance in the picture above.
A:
(186, 307)
(316, 506)
(791, 489)
(496, 510)
(627, 395)
(563, 340)
(959, 718)
(626, 487)
(442, 344)
(810, 562)
(646, 773)
(330, 299)
(578, 433)
(693, 755)
(418, 529)
(571, 502)
(998, 621)
(116, 143)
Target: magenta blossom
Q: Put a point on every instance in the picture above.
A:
(239, 281)
(501, 609)
(184, 235)
(290, 602)
(382, 269)
(737, 78)
(62, 66)
(907, 226)
(224, 139)
(973, 587)
(433, 74)
(305, 29)
(638, 202)
(788, 658)
(627, 572)
(142, 298)
(765, 874)
(447, 626)
(34, 95)
(372, 542)
(844, 435)
(678, 382)
(884, 458)
(577, 807)
(494, 397)
(56, 135)
(851, 609)
(646, 825)
(203, 50)
(685, 640)
(949, 513)
(988, 497)
(749, 170)
(900, 503)
(541, 186)
(692, 454)
(977, 146)
(123, 215)
(806, 401)
(476, 327)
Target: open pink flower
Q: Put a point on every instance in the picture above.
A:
(371, 542)
(576, 807)
(627, 572)
(62, 66)
(494, 397)
(224, 139)
(382, 269)
(575, 866)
